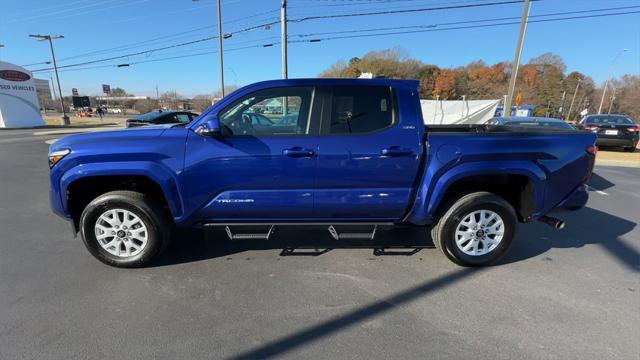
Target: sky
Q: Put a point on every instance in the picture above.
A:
(97, 29)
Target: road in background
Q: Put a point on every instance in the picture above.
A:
(570, 294)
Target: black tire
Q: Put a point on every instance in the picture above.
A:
(443, 232)
(147, 209)
(630, 149)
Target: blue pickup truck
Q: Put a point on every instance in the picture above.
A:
(351, 155)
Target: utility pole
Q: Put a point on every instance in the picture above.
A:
(50, 38)
(606, 84)
(220, 47)
(561, 110)
(572, 100)
(1, 46)
(516, 59)
(283, 35)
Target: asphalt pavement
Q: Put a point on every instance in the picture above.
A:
(569, 294)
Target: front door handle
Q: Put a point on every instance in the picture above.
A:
(298, 152)
(394, 151)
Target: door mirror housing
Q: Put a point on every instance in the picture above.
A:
(210, 128)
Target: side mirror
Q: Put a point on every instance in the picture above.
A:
(210, 128)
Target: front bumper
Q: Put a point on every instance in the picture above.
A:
(575, 200)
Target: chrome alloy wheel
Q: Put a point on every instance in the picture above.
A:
(121, 233)
(479, 232)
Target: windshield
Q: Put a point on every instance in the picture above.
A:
(607, 119)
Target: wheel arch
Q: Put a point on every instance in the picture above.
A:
(521, 183)
(81, 186)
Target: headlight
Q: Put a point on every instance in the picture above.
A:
(56, 156)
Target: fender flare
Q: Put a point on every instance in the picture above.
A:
(431, 192)
(157, 173)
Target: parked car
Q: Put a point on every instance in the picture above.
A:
(161, 117)
(531, 121)
(114, 111)
(359, 159)
(613, 130)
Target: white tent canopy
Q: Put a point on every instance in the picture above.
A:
(442, 112)
(18, 98)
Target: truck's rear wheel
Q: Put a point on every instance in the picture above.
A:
(125, 229)
(476, 229)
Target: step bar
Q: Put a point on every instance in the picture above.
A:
(249, 236)
(333, 231)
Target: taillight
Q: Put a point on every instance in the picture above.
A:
(593, 150)
(633, 128)
(591, 127)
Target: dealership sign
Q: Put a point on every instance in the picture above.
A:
(14, 75)
(18, 98)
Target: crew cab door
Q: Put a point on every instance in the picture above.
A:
(258, 170)
(369, 153)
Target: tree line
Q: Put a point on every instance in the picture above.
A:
(542, 82)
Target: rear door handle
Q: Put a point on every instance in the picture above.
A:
(394, 151)
(298, 152)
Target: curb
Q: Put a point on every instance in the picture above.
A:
(76, 131)
(618, 163)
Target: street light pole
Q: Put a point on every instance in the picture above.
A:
(606, 83)
(283, 35)
(516, 60)
(50, 38)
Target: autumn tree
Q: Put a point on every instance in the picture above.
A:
(201, 102)
(445, 85)
(542, 82)
(627, 96)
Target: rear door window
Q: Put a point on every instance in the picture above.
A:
(360, 109)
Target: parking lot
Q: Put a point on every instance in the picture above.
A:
(569, 294)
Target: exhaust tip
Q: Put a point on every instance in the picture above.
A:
(551, 221)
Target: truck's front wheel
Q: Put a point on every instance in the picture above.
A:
(477, 229)
(124, 229)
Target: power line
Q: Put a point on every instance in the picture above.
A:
(351, 36)
(159, 40)
(388, 12)
(363, 35)
(462, 22)
(74, 12)
(265, 25)
(132, 54)
(151, 60)
(460, 27)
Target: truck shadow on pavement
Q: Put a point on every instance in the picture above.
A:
(195, 244)
(584, 227)
(599, 183)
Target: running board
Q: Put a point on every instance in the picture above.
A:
(335, 233)
(352, 235)
(249, 236)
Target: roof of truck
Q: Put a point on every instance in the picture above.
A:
(334, 82)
